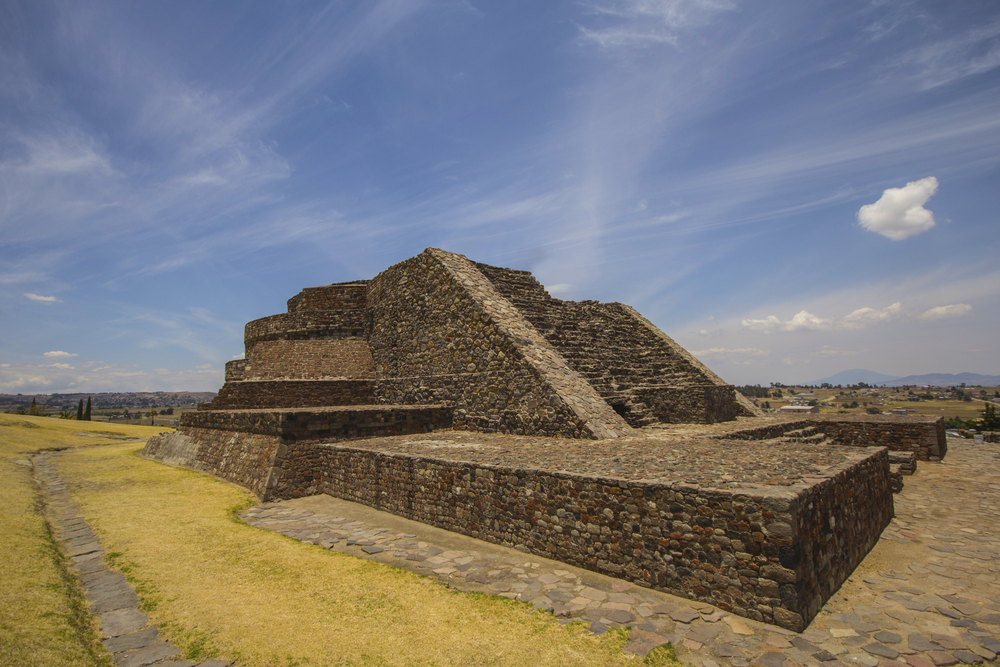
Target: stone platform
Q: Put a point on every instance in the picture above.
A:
(927, 595)
(767, 531)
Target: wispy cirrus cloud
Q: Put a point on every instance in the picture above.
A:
(946, 312)
(939, 62)
(640, 23)
(39, 297)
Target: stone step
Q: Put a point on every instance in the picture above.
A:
(802, 432)
(895, 477)
(905, 462)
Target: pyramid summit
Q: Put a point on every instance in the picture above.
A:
(488, 343)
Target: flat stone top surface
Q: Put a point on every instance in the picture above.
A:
(721, 429)
(648, 456)
(327, 409)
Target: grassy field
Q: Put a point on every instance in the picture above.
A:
(218, 587)
(42, 619)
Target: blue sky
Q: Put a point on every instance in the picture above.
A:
(789, 189)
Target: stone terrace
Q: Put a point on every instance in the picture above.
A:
(767, 531)
(648, 457)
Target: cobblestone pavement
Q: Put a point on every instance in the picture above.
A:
(126, 632)
(928, 595)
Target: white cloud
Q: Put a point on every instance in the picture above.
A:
(802, 320)
(828, 351)
(806, 320)
(59, 353)
(864, 316)
(723, 351)
(641, 23)
(900, 212)
(558, 288)
(97, 376)
(857, 319)
(39, 297)
(975, 51)
(241, 355)
(768, 324)
(946, 312)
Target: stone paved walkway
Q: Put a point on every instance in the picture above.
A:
(927, 596)
(125, 630)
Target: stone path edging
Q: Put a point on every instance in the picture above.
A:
(126, 632)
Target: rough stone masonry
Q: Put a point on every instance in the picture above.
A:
(465, 396)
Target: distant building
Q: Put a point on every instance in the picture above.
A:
(799, 409)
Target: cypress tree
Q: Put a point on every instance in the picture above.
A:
(79, 411)
(86, 413)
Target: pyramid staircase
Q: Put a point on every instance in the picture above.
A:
(625, 362)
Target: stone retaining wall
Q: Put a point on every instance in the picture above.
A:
(686, 405)
(290, 394)
(772, 554)
(309, 360)
(339, 296)
(316, 313)
(246, 447)
(923, 435)
(234, 370)
(329, 424)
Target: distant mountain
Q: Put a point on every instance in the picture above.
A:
(856, 375)
(947, 380)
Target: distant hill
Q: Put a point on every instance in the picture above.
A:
(856, 375)
(947, 380)
(130, 399)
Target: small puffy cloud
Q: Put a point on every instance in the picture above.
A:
(864, 316)
(900, 212)
(241, 355)
(946, 312)
(803, 320)
(43, 299)
(768, 324)
(559, 288)
(56, 354)
(806, 320)
(63, 366)
(828, 351)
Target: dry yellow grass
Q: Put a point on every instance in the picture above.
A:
(41, 617)
(218, 587)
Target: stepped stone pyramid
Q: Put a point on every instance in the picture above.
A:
(481, 347)
(635, 464)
